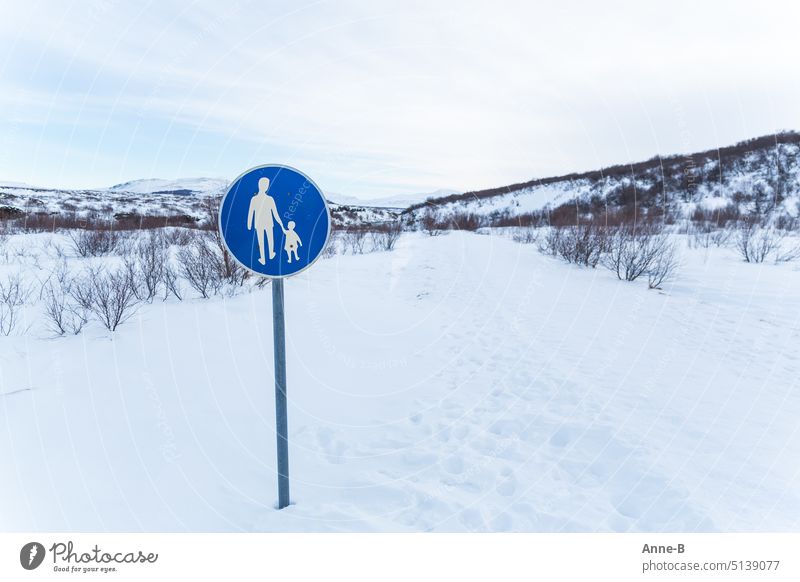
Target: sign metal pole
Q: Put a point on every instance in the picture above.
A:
(281, 414)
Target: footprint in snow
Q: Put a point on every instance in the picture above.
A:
(453, 464)
(506, 482)
(331, 449)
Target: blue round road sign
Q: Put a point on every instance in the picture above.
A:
(274, 221)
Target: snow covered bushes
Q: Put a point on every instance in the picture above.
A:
(385, 236)
(663, 266)
(63, 314)
(756, 241)
(107, 294)
(207, 266)
(145, 265)
(13, 295)
(629, 250)
(708, 236)
(580, 244)
(636, 250)
(110, 290)
(198, 265)
(466, 221)
(94, 243)
(353, 240)
(525, 235)
(357, 240)
(431, 224)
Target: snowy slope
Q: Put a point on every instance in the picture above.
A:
(102, 203)
(155, 197)
(460, 383)
(758, 175)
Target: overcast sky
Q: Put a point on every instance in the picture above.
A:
(383, 98)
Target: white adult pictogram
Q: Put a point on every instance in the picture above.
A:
(262, 210)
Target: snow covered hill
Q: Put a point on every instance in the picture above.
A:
(755, 176)
(460, 383)
(190, 186)
(149, 198)
(758, 176)
(166, 199)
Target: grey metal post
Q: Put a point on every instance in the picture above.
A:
(281, 414)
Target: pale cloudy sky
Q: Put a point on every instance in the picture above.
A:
(381, 98)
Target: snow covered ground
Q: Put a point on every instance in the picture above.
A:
(460, 383)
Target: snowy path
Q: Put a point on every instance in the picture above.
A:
(462, 382)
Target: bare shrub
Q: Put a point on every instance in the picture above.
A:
(82, 292)
(583, 245)
(107, 295)
(525, 235)
(721, 237)
(134, 221)
(580, 244)
(94, 243)
(131, 269)
(508, 218)
(55, 249)
(332, 247)
(13, 295)
(126, 245)
(550, 243)
(172, 285)
(465, 221)
(262, 282)
(199, 266)
(146, 265)
(787, 251)
(787, 222)
(354, 240)
(716, 217)
(431, 224)
(755, 242)
(385, 236)
(63, 314)
(636, 250)
(179, 237)
(227, 268)
(700, 239)
(663, 267)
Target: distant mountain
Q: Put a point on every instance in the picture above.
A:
(187, 186)
(401, 201)
(6, 183)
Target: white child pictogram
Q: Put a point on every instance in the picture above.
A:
(292, 242)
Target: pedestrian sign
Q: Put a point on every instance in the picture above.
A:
(274, 221)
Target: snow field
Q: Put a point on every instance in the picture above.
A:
(459, 383)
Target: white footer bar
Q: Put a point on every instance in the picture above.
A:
(406, 557)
